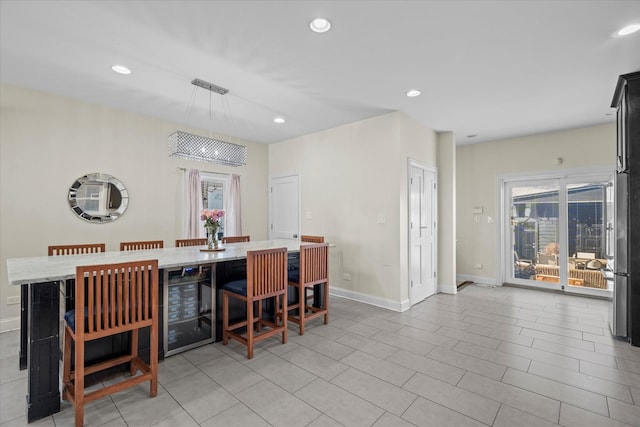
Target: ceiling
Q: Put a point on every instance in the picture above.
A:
(492, 69)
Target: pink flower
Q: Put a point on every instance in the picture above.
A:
(211, 217)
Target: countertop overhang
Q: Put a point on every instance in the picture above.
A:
(24, 271)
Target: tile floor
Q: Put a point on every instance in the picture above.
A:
(496, 356)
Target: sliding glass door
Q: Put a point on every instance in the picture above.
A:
(534, 231)
(557, 233)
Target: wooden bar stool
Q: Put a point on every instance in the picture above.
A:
(63, 250)
(311, 239)
(313, 273)
(119, 298)
(91, 248)
(180, 243)
(266, 279)
(143, 245)
(235, 239)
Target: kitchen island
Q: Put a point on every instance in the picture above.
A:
(44, 278)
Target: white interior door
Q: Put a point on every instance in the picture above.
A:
(422, 233)
(284, 201)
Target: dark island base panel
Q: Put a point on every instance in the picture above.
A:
(43, 394)
(24, 324)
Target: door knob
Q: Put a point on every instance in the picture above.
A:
(295, 236)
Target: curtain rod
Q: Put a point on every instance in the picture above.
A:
(209, 172)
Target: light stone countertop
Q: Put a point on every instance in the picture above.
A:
(22, 271)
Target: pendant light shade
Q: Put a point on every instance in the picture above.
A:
(203, 149)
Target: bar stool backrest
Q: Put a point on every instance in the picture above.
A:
(311, 239)
(235, 239)
(180, 243)
(90, 248)
(142, 245)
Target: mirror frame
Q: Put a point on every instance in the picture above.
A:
(112, 214)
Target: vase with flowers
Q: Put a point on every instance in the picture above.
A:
(211, 218)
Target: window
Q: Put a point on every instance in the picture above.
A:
(215, 191)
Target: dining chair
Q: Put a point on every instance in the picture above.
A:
(266, 280)
(586, 255)
(519, 262)
(313, 273)
(311, 239)
(111, 299)
(235, 239)
(191, 242)
(143, 245)
(91, 248)
(547, 259)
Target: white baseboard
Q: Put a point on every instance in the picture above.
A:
(477, 279)
(447, 289)
(371, 300)
(9, 324)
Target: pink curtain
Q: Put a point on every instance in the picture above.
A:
(192, 223)
(233, 221)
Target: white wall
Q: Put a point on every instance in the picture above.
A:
(46, 142)
(446, 277)
(479, 165)
(349, 176)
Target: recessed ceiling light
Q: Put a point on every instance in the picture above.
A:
(629, 29)
(320, 25)
(121, 69)
(413, 93)
(473, 135)
(278, 120)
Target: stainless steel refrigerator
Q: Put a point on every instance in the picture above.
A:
(625, 315)
(620, 305)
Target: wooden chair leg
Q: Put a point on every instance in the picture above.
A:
(249, 329)
(326, 302)
(66, 358)
(134, 351)
(285, 325)
(259, 303)
(153, 362)
(302, 292)
(225, 318)
(79, 415)
(79, 383)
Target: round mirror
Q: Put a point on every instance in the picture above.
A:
(98, 197)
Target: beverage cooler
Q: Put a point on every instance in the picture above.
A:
(189, 309)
